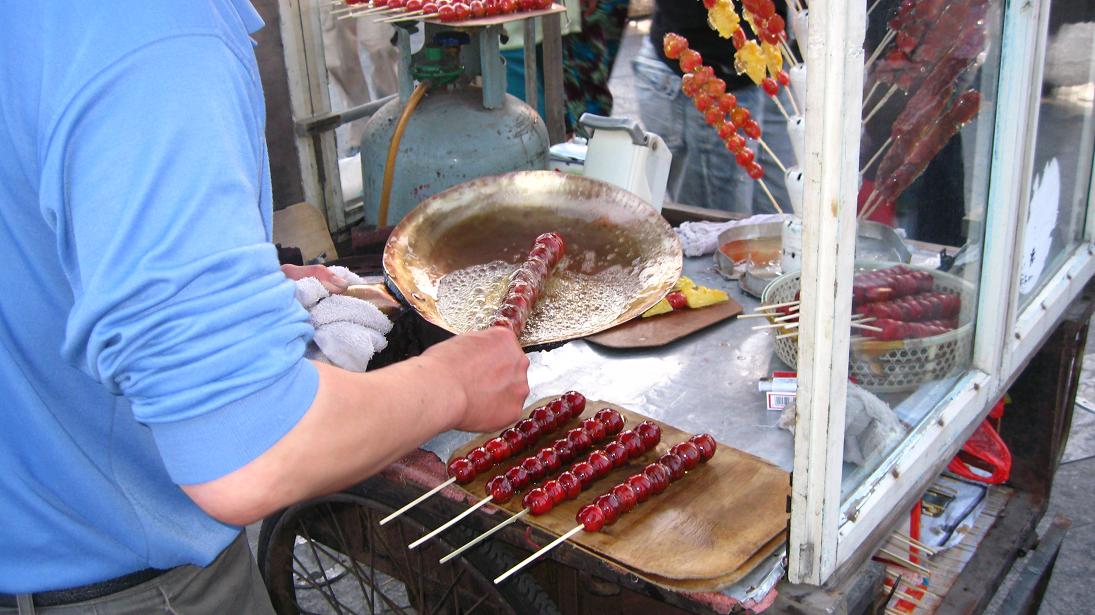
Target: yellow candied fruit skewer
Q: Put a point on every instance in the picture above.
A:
(723, 18)
(773, 59)
(750, 60)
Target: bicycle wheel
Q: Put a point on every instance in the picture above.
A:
(331, 556)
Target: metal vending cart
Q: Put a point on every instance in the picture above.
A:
(970, 126)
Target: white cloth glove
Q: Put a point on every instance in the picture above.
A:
(699, 238)
(349, 331)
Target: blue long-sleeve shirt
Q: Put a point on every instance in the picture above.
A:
(147, 336)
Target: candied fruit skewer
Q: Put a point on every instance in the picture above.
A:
(527, 283)
(501, 488)
(463, 470)
(607, 507)
(711, 99)
(568, 485)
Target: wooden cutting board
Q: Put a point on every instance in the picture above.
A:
(702, 533)
(665, 328)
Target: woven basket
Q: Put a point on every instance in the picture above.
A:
(898, 365)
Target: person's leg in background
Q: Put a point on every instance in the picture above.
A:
(662, 107)
(588, 57)
(774, 133)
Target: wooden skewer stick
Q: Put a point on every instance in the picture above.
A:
(418, 18)
(773, 306)
(451, 522)
(873, 7)
(863, 320)
(856, 325)
(528, 560)
(885, 42)
(417, 501)
(903, 561)
(411, 16)
(786, 49)
(787, 317)
(877, 155)
(898, 544)
(914, 542)
(757, 315)
(783, 336)
(872, 204)
(870, 93)
(377, 11)
(880, 104)
(779, 106)
(791, 97)
(483, 536)
(363, 7)
(769, 150)
(777, 325)
(779, 209)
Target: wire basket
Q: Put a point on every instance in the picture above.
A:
(899, 365)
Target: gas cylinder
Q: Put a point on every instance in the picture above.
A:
(462, 129)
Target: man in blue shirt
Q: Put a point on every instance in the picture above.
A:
(153, 391)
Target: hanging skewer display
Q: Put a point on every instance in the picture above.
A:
(521, 436)
(934, 45)
(446, 11)
(622, 498)
(500, 489)
(629, 445)
(720, 108)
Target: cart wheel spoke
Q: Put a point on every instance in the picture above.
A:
(449, 590)
(330, 598)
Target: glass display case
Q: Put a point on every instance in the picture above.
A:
(959, 139)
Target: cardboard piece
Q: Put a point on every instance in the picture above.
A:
(305, 227)
(664, 328)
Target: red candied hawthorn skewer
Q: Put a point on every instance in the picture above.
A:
(527, 283)
(449, 11)
(720, 109)
(523, 434)
(605, 424)
(627, 446)
(621, 499)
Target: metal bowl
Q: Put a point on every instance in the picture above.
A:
(497, 218)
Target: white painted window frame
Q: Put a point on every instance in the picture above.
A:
(824, 532)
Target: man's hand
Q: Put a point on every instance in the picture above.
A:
(334, 284)
(491, 370)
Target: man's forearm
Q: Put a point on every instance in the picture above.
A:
(357, 425)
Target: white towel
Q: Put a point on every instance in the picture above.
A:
(699, 238)
(349, 331)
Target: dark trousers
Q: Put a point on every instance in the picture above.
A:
(231, 584)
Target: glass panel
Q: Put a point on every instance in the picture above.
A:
(1063, 146)
(929, 112)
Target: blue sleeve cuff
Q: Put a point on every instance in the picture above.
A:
(210, 445)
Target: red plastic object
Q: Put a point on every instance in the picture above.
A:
(984, 457)
(885, 213)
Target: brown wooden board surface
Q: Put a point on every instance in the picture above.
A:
(702, 533)
(664, 328)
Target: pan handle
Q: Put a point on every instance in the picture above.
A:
(378, 294)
